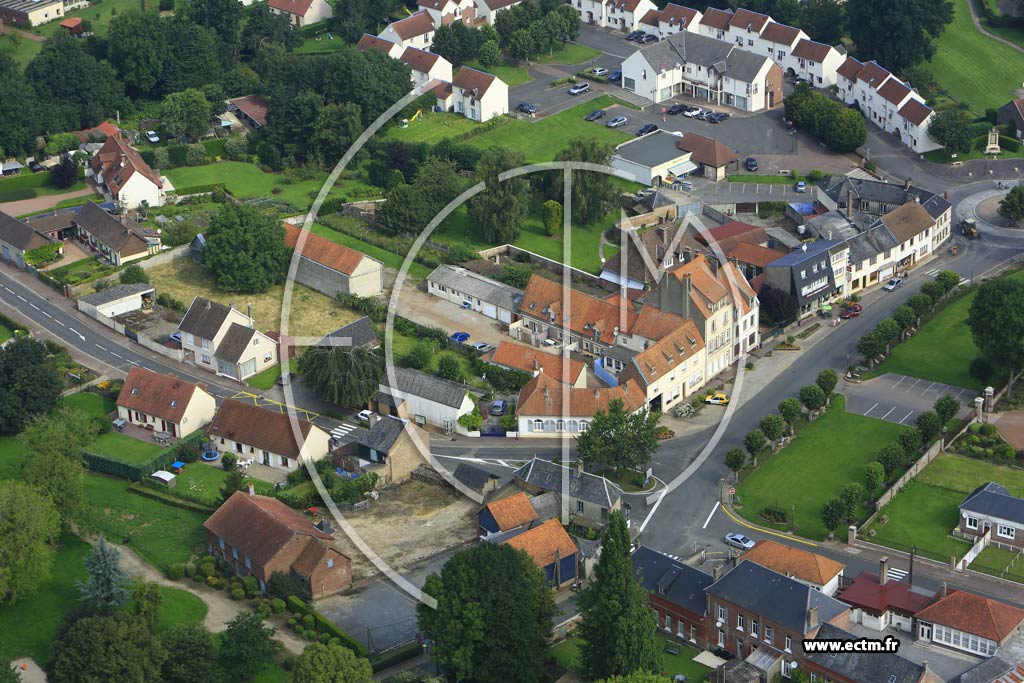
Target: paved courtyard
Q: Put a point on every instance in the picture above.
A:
(900, 399)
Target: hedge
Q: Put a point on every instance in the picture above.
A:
(297, 606)
(199, 189)
(10, 324)
(148, 489)
(396, 655)
(132, 472)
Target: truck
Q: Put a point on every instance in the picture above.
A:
(969, 229)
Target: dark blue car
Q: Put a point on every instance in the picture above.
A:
(615, 75)
(460, 337)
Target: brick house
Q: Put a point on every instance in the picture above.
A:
(392, 449)
(676, 594)
(164, 403)
(879, 602)
(991, 508)
(265, 435)
(260, 536)
(853, 667)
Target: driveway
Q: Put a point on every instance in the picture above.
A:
(899, 398)
(433, 311)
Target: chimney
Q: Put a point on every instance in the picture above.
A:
(209, 305)
(717, 571)
(944, 590)
(663, 235)
(883, 570)
(849, 203)
(536, 366)
(812, 618)
(910, 574)
(577, 465)
(906, 184)
(248, 309)
(686, 295)
(252, 490)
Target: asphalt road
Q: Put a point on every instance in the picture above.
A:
(900, 399)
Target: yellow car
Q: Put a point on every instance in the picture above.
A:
(719, 399)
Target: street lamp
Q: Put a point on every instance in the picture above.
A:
(792, 519)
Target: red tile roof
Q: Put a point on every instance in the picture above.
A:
(529, 359)
(915, 111)
(716, 18)
(253, 106)
(744, 19)
(677, 15)
(873, 74)
(71, 22)
(546, 543)
(974, 614)
(164, 396)
(705, 150)
(795, 562)
(433, 4)
(296, 7)
(780, 33)
(118, 162)
(808, 49)
(663, 356)
(894, 91)
(419, 60)
(754, 254)
(587, 316)
(474, 83)
(106, 128)
(512, 512)
(653, 323)
(323, 251)
(416, 24)
(542, 397)
(850, 68)
(651, 18)
(260, 428)
(259, 526)
(866, 593)
(368, 42)
(627, 5)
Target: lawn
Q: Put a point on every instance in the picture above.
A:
(977, 151)
(389, 259)
(824, 456)
(320, 45)
(125, 448)
(161, 534)
(507, 71)
(179, 607)
(91, 403)
(265, 380)
(204, 481)
(922, 515)
(973, 68)
(943, 348)
(570, 53)
(5, 333)
(994, 561)
(962, 474)
(567, 652)
(28, 185)
(30, 625)
(21, 50)
(312, 313)
(12, 454)
(432, 127)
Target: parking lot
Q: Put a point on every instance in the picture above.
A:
(899, 398)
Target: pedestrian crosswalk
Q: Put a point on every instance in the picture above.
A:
(963, 281)
(896, 574)
(933, 271)
(342, 430)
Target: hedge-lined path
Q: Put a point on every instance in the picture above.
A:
(220, 608)
(23, 206)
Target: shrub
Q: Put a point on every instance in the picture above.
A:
(775, 514)
(288, 663)
(263, 609)
(308, 621)
(988, 429)
(212, 581)
(208, 569)
(871, 166)
(292, 623)
(250, 583)
(190, 569)
(277, 605)
(198, 578)
(228, 461)
(237, 593)
(195, 155)
(176, 571)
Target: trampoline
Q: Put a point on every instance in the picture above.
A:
(210, 453)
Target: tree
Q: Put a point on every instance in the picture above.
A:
(195, 60)
(248, 646)
(353, 18)
(591, 191)
(756, 443)
(409, 208)
(1011, 206)
(245, 249)
(827, 381)
(27, 538)
(777, 305)
(224, 18)
(61, 142)
(137, 49)
(331, 664)
(134, 274)
(233, 482)
(851, 494)
(501, 207)
(824, 19)
(812, 397)
(65, 173)
(8, 674)
(552, 212)
(832, 514)
(773, 427)
(456, 42)
(54, 466)
(791, 412)
(921, 304)
(847, 131)
(522, 44)
(185, 114)
(619, 440)
(448, 367)
(106, 589)
(949, 279)
(905, 317)
(946, 407)
(194, 654)
(870, 346)
(952, 129)
(736, 460)
(107, 647)
(911, 441)
(337, 127)
(344, 376)
(482, 634)
(489, 53)
(29, 383)
(264, 26)
(146, 600)
(933, 290)
(897, 34)
(928, 423)
(617, 629)
(21, 111)
(874, 476)
(892, 457)
(888, 331)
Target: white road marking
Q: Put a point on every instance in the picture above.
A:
(80, 335)
(928, 389)
(654, 509)
(115, 355)
(34, 306)
(887, 414)
(911, 387)
(59, 322)
(48, 315)
(9, 289)
(962, 281)
(101, 348)
(933, 271)
(896, 574)
(870, 409)
(711, 514)
(131, 361)
(906, 416)
(503, 463)
(903, 377)
(23, 298)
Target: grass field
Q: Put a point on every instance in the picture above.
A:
(963, 475)
(29, 626)
(312, 313)
(507, 71)
(159, 533)
(265, 380)
(89, 402)
(570, 53)
(125, 448)
(204, 481)
(20, 49)
(995, 561)
(389, 259)
(973, 68)
(567, 652)
(943, 348)
(28, 185)
(312, 46)
(824, 456)
(943, 156)
(922, 515)
(179, 607)
(432, 127)
(5, 333)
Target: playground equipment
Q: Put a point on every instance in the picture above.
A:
(406, 122)
(210, 452)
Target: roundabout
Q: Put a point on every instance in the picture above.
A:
(983, 207)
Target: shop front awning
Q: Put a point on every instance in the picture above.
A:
(683, 168)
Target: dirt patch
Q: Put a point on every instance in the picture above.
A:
(1011, 428)
(408, 524)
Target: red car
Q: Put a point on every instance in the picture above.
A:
(850, 313)
(855, 307)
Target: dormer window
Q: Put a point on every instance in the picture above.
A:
(135, 391)
(174, 403)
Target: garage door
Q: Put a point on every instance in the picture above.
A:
(490, 310)
(505, 316)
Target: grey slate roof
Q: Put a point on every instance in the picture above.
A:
(546, 505)
(873, 241)
(358, 332)
(485, 289)
(831, 225)
(781, 239)
(19, 235)
(473, 477)
(775, 597)
(588, 549)
(204, 318)
(650, 150)
(686, 47)
(671, 579)
(51, 221)
(422, 385)
(234, 343)
(836, 188)
(588, 487)
(116, 292)
(109, 230)
(993, 500)
(383, 433)
(986, 672)
(864, 667)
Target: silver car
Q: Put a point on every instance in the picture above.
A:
(579, 89)
(617, 121)
(739, 541)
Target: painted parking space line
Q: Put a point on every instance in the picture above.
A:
(928, 389)
(905, 417)
(902, 377)
(911, 387)
(868, 412)
(958, 393)
(887, 414)
(711, 514)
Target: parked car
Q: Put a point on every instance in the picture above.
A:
(647, 38)
(751, 164)
(704, 115)
(482, 347)
(152, 136)
(719, 117)
(460, 337)
(527, 108)
(36, 167)
(595, 115)
(599, 71)
(893, 284)
(615, 76)
(677, 109)
(718, 398)
(617, 122)
(646, 129)
(579, 89)
(635, 35)
(848, 313)
(693, 113)
(364, 415)
(498, 407)
(739, 541)
(800, 186)
(855, 307)
(176, 337)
